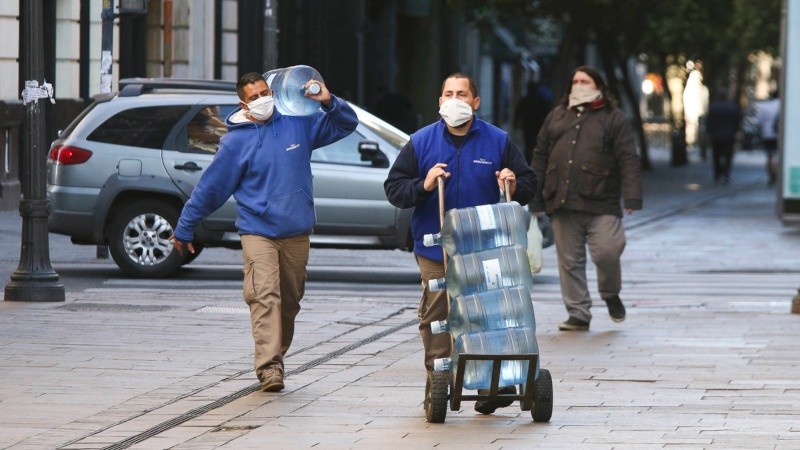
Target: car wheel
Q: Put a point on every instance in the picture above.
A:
(189, 257)
(138, 239)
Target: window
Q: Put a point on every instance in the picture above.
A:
(139, 127)
(344, 151)
(207, 127)
(67, 131)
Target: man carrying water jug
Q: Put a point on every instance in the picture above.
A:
(264, 161)
(475, 158)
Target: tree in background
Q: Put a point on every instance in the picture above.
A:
(722, 33)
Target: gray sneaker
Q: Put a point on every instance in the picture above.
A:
(573, 324)
(615, 308)
(272, 379)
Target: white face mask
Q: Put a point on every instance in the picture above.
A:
(455, 112)
(583, 93)
(261, 108)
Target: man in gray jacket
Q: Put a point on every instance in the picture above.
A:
(586, 160)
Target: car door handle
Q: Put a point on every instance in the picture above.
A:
(191, 166)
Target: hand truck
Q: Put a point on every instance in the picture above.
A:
(535, 395)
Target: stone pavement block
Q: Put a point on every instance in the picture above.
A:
(378, 438)
(352, 373)
(171, 438)
(279, 438)
(12, 433)
(210, 440)
(274, 406)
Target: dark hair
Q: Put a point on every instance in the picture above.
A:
(248, 78)
(472, 86)
(595, 75)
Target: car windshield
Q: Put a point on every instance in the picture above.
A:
(382, 128)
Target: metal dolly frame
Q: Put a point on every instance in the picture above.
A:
(526, 392)
(536, 395)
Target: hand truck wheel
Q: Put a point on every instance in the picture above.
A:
(436, 396)
(542, 397)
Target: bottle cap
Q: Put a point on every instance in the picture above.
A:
(436, 285)
(440, 326)
(429, 240)
(314, 89)
(441, 364)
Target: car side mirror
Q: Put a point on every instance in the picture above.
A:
(371, 151)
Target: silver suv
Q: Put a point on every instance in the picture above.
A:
(122, 170)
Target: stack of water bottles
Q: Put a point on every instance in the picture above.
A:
(488, 279)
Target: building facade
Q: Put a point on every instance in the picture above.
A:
(361, 48)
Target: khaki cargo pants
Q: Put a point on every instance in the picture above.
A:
(274, 282)
(432, 307)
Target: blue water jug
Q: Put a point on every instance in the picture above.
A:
(509, 341)
(490, 310)
(485, 270)
(467, 230)
(288, 89)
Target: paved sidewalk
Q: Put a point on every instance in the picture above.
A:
(709, 356)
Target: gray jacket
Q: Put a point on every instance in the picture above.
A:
(589, 166)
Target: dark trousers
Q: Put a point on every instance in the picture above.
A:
(723, 156)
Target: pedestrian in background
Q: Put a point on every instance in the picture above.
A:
(530, 113)
(767, 114)
(695, 102)
(723, 122)
(264, 161)
(585, 160)
(475, 158)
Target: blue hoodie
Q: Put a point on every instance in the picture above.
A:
(266, 167)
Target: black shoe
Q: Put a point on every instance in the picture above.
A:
(615, 308)
(573, 324)
(490, 406)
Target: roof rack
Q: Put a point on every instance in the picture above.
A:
(132, 87)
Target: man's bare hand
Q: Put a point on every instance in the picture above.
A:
(433, 174)
(507, 175)
(323, 96)
(182, 247)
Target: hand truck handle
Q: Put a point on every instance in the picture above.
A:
(507, 190)
(440, 188)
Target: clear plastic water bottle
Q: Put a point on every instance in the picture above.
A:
(288, 89)
(467, 230)
(508, 341)
(485, 270)
(491, 310)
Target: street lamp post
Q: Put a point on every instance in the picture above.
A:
(34, 280)
(106, 64)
